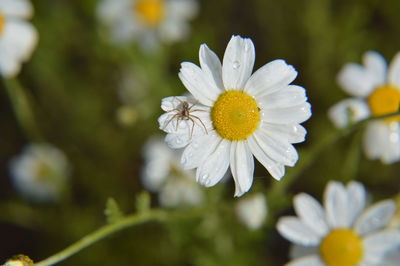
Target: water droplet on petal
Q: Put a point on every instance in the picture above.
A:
(204, 177)
(183, 160)
(236, 65)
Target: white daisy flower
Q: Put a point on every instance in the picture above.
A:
(164, 174)
(40, 172)
(147, 20)
(376, 91)
(237, 115)
(17, 36)
(341, 233)
(252, 210)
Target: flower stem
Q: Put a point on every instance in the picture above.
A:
(21, 102)
(102, 232)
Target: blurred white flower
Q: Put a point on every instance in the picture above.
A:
(341, 233)
(236, 114)
(164, 174)
(252, 210)
(17, 36)
(376, 91)
(40, 172)
(147, 21)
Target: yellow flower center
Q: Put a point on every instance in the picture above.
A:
(2, 22)
(43, 171)
(342, 247)
(385, 100)
(235, 115)
(150, 11)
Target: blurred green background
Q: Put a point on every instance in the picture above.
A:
(74, 80)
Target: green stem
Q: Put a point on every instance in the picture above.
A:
(21, 102)
(102, 232)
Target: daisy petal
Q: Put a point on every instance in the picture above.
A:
(196, 83)
(199, 149)
(375, 63)
(21, 37)
(177, 141)
(297, 232)
(278, 150)
(293, 133)
(211, 67)
(270, 78)
(277, 170)
(374, 139)
(289, 115)
(391, 153)
(297, 251)
(9, 66)
(348, 111)
(238, 62)
(335, 201)
(381, 141)
(312, 260)
(182, 10)
(16, 8)
(214, 168)
(382, 242)
(355, 80)
(356, 199)
(311, 213)
(289, 96)
(394, 71)
(375, 217)
(242, 167)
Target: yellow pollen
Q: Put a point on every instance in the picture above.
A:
(43, 171)
(385, 100)
(2, 22)
(235, 115)
(341, 247)
(151, 12)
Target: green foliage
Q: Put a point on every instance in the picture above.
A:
(99, 102)
(112, 211)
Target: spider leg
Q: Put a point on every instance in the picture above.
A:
(204, 126)
(172, 118)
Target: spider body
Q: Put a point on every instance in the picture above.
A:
(184, 112)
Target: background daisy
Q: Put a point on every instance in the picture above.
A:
(40, 173)
(252, 210)
(376, 91)
(344, 232)
(245, 115)
(147, 21)
(163, 173)
(18, 37)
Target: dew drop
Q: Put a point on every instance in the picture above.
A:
(204, 177)
(183, 160)
(236, 65)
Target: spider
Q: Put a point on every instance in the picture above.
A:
(183, 112)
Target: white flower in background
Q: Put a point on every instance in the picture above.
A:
(17, 36)
(252, 210)
(147, 20)
(40, 172)
(344, 232)
(164, 174)
(241, 115)
(376, 91)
